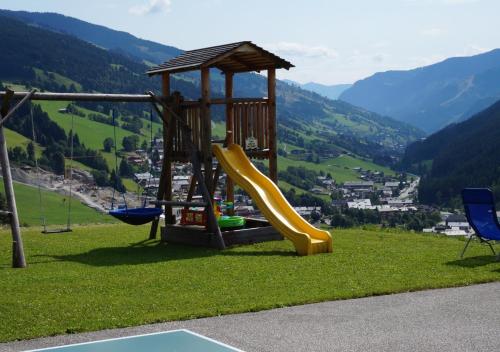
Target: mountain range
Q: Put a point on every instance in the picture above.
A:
(36, 62)
(124, 43)
(329, 91)
(434, 96)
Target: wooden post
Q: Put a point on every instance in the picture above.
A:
(207, 127)
(216, 239)
(165, 184)
(18, 259)
(229, 135)
(273, 150)
(168, 140)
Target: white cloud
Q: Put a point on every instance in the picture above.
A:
(302, 50)
(153, 6)
(432, 32)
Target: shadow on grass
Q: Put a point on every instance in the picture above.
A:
(473, 262)
(145, 253)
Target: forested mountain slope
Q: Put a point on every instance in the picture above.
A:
(461, 155)
(142, 50)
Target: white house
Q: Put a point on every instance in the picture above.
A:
(458, 221)
(361, 204)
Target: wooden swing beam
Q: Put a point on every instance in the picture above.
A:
(119, 98)
(18, 257)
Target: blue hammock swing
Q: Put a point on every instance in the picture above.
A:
(136, 216)
(133, 216)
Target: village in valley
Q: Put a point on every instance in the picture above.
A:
(388, 195)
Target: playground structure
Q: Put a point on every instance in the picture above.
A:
(187, 137)
(251, 125)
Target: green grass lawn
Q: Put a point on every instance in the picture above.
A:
(341, 168)
(131, 185)
(91, 133)
(15, 139)
(15, 86)
(108, 276)
(57, 78)
(287, 186)
(55, 208)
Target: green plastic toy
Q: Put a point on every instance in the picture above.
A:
(226, 222)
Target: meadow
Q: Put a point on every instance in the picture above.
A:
(54, 207)
(109, 276)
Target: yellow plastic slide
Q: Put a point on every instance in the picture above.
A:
(271, 202)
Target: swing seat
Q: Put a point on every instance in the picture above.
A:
(136, 216)
(57, 231)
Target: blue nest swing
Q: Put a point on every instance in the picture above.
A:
(136, 216)
(133, 216)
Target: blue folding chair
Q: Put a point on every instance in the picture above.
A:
(479, 206)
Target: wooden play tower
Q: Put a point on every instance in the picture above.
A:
(187, 134)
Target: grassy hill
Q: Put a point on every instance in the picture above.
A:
(15, 139)
(55, 208)
(341, 168)
(92, 133)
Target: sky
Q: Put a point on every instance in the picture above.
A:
(329, 41)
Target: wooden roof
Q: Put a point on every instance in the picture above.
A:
(235, 57)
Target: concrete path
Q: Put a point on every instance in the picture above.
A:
(455, 319)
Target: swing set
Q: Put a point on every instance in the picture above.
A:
(43, 218)
(187, 138)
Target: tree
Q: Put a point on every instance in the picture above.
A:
(155, 158)
(315, 216)
(144, 145)
(18, 154)
(58, 163)
(130, 143)
(101, 178)
(30, 150)
(116, 182)
(133, 124)
(337, 195)
(108, 144)
(126, 170)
